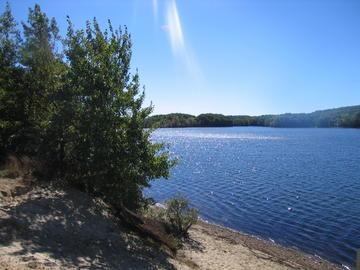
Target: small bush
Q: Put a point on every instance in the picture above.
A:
(180, 216)
(154, 212)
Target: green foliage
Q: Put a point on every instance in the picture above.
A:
(43, 78)
(30, 75)
(214, 120)
(76, 108)
(180, 215)
(172, 120)
(176, 214)
(154, 212)
(10, 80)
(9, 39)
(340, 117)
(187, 120)
(108, 151)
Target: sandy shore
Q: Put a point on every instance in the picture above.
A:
(45, 228)
(216, 247)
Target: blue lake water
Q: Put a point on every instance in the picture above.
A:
(298, 187)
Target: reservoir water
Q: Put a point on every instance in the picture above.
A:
(297, 187)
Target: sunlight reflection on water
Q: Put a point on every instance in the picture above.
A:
(299, 187)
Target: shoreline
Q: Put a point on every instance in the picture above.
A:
(34, 235)
(279, 254)
(289, 256)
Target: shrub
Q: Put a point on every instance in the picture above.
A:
(154, 212)
(180, 215)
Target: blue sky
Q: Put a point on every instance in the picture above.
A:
(232, 56)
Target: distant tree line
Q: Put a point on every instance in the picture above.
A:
(341, 117)
(72, 105)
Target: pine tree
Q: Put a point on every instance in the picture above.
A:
(11, 94)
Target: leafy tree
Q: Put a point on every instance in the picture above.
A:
(107, 150)
(10, 81)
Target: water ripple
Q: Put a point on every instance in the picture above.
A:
(299, 187)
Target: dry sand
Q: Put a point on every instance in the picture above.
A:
(47, 228)
(215, 247)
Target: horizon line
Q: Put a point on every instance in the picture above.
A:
(318, 110)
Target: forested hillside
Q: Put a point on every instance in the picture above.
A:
(340, 117)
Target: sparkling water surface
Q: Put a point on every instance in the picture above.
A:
(297, 187)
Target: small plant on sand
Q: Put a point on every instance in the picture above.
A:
(180, 216)
(154, 212)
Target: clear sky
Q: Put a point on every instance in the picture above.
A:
(232, 56)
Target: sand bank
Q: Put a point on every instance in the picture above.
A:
(216, 247)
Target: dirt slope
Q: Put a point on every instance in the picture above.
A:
(55, 229)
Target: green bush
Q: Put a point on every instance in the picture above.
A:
(154, 212)
(180, 216)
